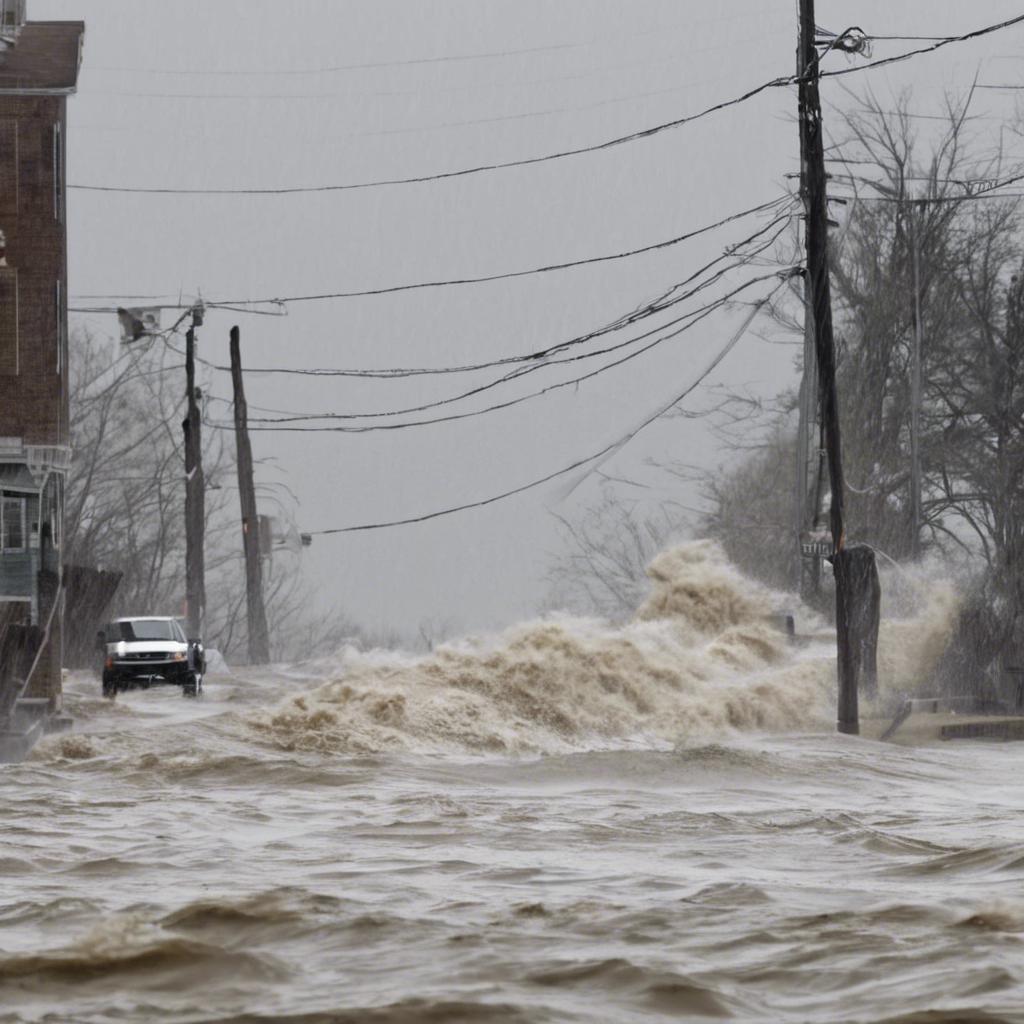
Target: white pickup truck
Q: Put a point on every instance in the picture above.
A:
(138, 652)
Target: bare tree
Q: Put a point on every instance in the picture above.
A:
(603, 568)
(124, 493)
(922, 216)
(125, 503)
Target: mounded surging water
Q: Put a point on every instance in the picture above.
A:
(571, 822)
(700, 659)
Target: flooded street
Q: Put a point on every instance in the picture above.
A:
(511, 512)
(290, 849)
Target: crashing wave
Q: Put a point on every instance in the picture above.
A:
(699, 658)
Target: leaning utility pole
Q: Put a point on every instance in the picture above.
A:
(259, 644)
(195, 498)
(816, 203)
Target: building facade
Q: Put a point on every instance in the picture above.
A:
(39, 64)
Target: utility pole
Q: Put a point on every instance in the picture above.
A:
(915, 396)
(816, 202)
(195, 497)
(259, 644)
(807, 409)
(805, 428)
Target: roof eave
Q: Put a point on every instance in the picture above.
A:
(66, 91)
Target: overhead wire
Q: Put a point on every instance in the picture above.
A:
(340, 68)
(535, 365)
(444, 175)
(990, 191)
(941, 41)
(349, 94)
(539, 359)
(938, 44)
(592, 460)
(782, 81)
(409, 62)
(908, 39)
(482, 279)
(512, 375)
(692, 320)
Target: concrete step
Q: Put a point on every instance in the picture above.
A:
(30, 720)
(16, 742)
(28, 710)
(1002, 729)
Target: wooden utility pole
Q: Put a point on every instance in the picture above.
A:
(807, 409)
(195, 497)
(259, 643)
(816, 203)
(915, 395)
(805, 430)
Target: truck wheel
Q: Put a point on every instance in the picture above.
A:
(109, 687)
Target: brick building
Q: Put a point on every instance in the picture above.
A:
(39, 64)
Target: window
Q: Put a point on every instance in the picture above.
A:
(8, 321)
(8, 166)
(142, 629)
(12, 524)
(55, 528)
(12, 16)
(58, 174)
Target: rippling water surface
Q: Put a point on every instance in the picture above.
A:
(286, 849)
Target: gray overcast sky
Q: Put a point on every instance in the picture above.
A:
(596, 70)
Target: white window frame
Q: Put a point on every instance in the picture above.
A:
(22, 511)
(12, 18)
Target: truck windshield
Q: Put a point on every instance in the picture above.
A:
(142, 629)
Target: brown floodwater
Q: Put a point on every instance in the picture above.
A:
(570, 822)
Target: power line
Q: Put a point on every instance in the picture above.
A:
(920, 117)
(476, 88)
(512, 375)
(538, 359)
(693, 319)
(410, 62)
(936, 45)
(451, 282)
(510, 275)
(593, 72)
(596, 457)
(544, 358)
(989, 191)
(604, 69)
(340, 68)
(423, 178)
(561, 154)
(523, 115)
(910, 39)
